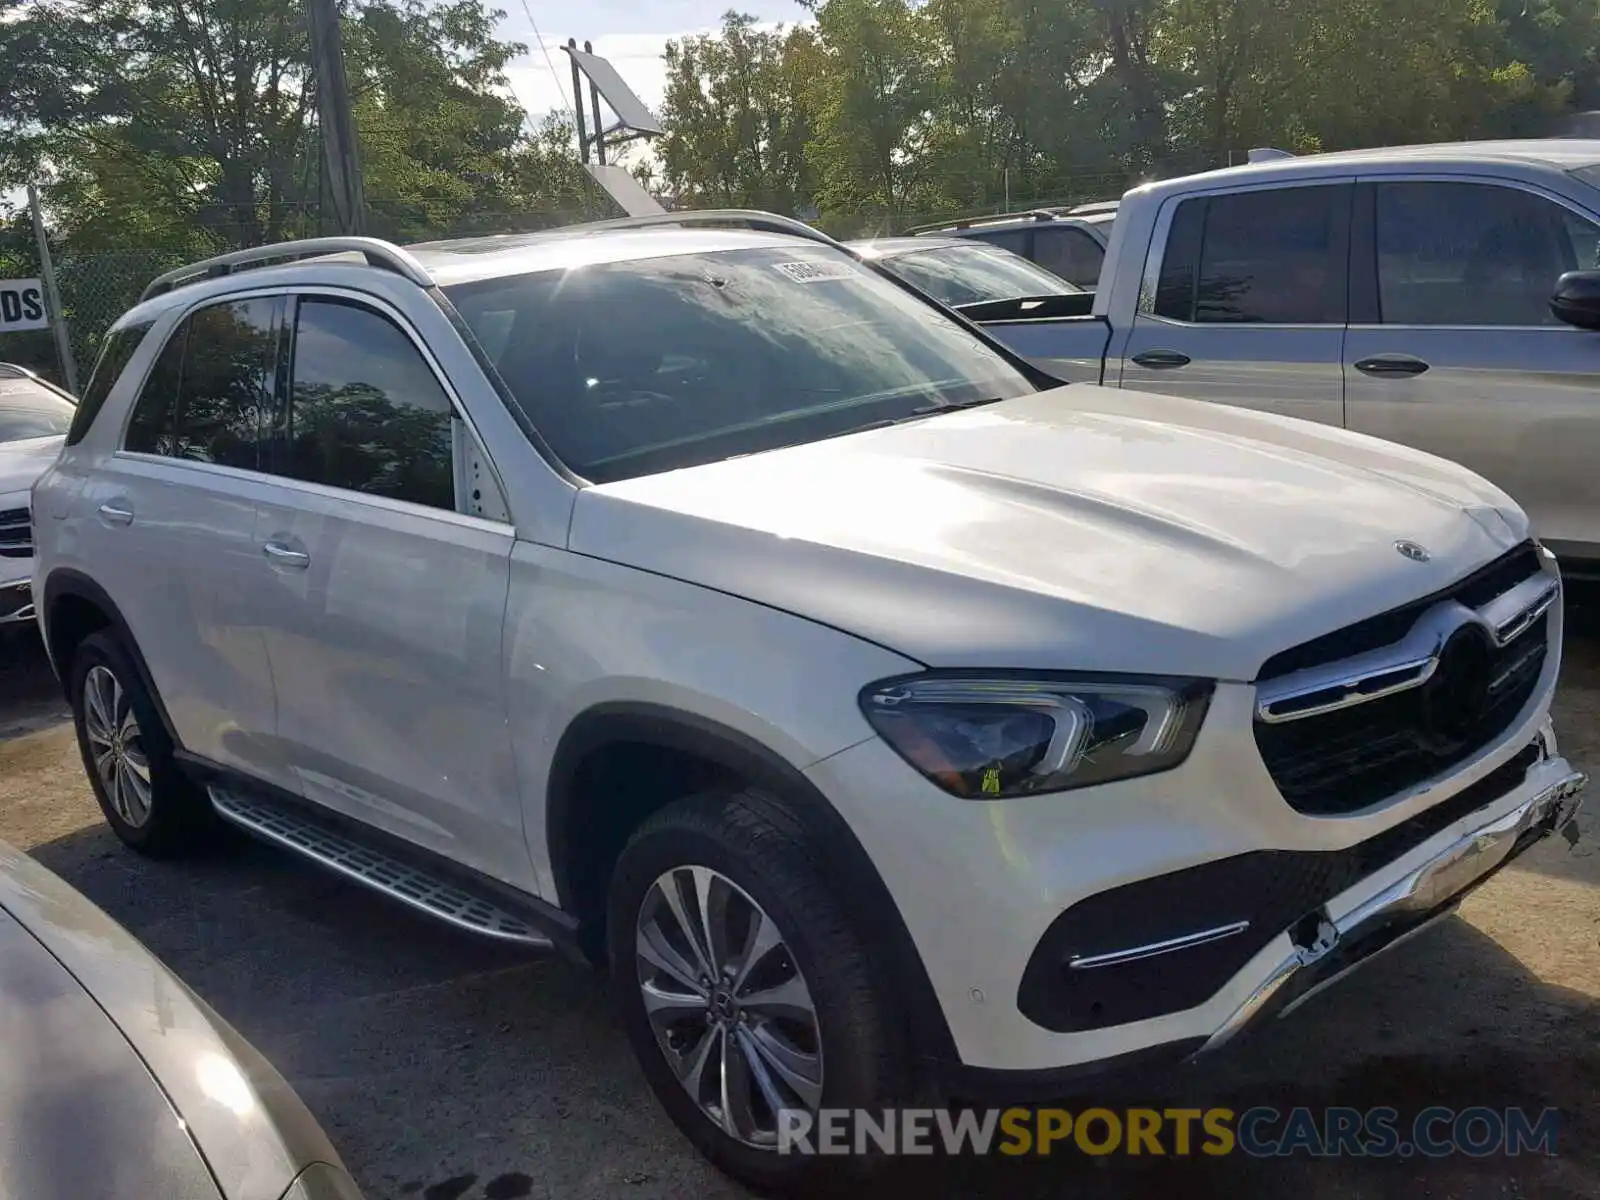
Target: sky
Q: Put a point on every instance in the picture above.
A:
(631, 35)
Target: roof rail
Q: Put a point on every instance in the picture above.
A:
(1094, 206)
(377, 252)
(749, 218)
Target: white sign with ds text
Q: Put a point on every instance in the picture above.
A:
(22, 305)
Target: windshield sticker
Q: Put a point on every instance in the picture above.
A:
(816, 272)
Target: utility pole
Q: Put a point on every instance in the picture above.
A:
(340, 155)
(52, 296)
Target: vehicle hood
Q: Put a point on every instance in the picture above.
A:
(23, 462)
(80, 1114)
(1082, 528)
(254, 1132)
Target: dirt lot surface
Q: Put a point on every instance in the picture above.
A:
(445, 1067)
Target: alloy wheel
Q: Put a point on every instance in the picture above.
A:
(116, 745)
(727, 1003)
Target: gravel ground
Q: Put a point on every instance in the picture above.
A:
(445, 1067)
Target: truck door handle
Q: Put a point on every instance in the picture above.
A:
(1161, 360)
(286, 556)
(113, 514)
(1391, 366)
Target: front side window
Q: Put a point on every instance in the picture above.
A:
(366, 412)
(630, 368)
(1276, 256)
(209, 395)
(1473, 253)
(974, 274)
(1070, 253)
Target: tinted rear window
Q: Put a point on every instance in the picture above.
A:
(1275, 256)
(636, 367)
(114, 355)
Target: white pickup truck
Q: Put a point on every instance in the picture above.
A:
(1445, 297)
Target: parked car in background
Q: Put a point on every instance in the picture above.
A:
(34, 418)
(1070, 244)
(1446, 297)
(119, 1083)
(892, 722)
(959, 271)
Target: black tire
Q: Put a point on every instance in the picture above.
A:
(752, 839)
(178, 818)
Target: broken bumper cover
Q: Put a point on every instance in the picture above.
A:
(1325, 948)
(16, 602)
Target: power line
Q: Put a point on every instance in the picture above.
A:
(548, 62)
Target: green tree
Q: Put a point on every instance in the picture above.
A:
(737, 110)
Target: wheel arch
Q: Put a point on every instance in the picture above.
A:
(69, 597)
(732, 754)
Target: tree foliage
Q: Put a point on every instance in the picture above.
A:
(939, 106)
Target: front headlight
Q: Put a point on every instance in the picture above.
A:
(990, 735)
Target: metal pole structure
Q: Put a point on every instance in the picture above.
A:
(52, 296)
(594, 98)
(577, 105)
(339, 150)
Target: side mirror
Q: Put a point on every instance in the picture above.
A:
(1577, 299)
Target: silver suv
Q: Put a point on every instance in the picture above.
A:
(891, 721)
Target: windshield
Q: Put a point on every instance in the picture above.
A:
(974, 274)
(30, 411)
(650, 365)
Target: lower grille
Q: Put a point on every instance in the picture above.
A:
(1270, 890)
(16, 533)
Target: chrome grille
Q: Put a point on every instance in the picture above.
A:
(16, 533)
(1376, 708)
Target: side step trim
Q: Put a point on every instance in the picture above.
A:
(377, 870)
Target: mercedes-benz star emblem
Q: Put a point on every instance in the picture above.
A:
(1413, 551)
(1456, 700)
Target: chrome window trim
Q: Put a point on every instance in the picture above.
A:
(379, 306)
(1411, 661)
(265, 478)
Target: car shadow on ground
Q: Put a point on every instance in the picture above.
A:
(446, 1066)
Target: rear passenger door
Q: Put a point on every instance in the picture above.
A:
(388, 602)
(1452, 347)
(1244, 301)
(170, 529)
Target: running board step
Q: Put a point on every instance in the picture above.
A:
(379, 871)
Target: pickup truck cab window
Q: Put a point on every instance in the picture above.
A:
(1463, 253)
(1274, 256)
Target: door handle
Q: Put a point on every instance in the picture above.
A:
(286, 556)
(113, 514)
(1391, 366)
(1161, 360)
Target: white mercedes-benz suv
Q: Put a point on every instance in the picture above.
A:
(685, 592)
